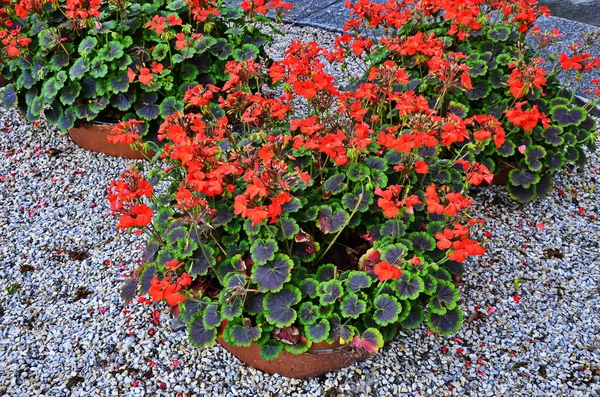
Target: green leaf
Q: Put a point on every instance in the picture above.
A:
(302, 346)
(67, 120)
(358, 172)
(188, 72)
(409, 286)
(308, 287)
(430, 283)
(225, 52)
(9, 96)
(59, 61)
(414, 317)
(552, 135)
(565, 116)
(79, 68)
(263, 250)
(199, 335)
(241, 335)
(170, 106)
(160, 51)
(278, 306)
(246, 53)
(326, 272)
(499, 33)
(422, 241)
(387, 310)
(445, 324)
(360, 199)
(329, 221)
(394, 253)
(534, 156)
(329, 292)
(522, 194)
(271, 350)
(176, 234)
(288, 228)
(50, 89)
(555, 161)
(36, 106)
(335, 184)
(445, 298)
(48, 38)
(70, 93)
(271, 276)
(308, 313)
(318, 331)
(86, 45)
(98, 68)
(189, 307)
(111, 51)
(202, 260)
(357, 280)
(523, 177)
(352, 306)
(211, 317)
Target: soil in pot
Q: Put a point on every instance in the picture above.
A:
(93, 136)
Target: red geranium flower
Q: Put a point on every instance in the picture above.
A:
(386, 271)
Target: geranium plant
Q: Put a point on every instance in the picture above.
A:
(484, 43)
(74, 60)
(306, 216)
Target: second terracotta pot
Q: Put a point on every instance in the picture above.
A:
(94, 137)
(320, 359)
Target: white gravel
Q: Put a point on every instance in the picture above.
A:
(64, 331)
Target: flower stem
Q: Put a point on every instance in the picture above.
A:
(360, 196)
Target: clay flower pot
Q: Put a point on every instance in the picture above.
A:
(94, 136)
(501, 176)
(320, 359)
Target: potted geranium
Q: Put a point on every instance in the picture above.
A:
(297, 228)
(77, 62)
(484, 42)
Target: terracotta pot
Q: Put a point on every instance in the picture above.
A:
(501, 177)
(320, 359)
(94, 137)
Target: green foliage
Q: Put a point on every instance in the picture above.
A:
(121, 50)
(341, 223)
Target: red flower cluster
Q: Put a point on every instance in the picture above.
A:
(82, 9)
(391, 203)
(526, 119)
(124, 195)
(166, 289)
(458, 241)
(126, 132)
(386, 271)
(451, 205)
(263, 6)
(525, 77)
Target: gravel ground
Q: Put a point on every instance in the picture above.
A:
(531, 303)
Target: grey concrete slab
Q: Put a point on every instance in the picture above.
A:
(331, 15)
(586, 11)
(306, 8)
(334, 16)
(571, 33)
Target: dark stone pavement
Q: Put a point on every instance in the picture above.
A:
(332, 14)
(571, 17)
